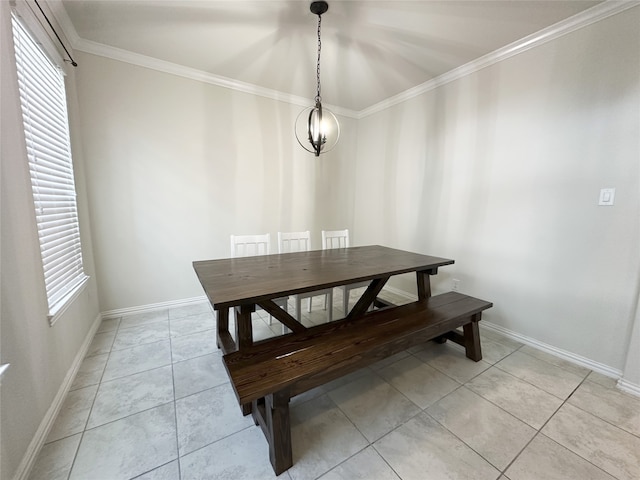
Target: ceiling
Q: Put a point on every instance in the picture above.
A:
(371, 50)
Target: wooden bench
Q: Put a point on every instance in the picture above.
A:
(271, 372)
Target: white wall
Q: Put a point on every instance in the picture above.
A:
(501, 171)
(41, 356)
(174, 166)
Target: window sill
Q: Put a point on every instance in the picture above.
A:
(58, 310)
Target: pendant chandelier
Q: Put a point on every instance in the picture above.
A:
(317, 129)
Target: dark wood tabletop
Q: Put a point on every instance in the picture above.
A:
(249, 280)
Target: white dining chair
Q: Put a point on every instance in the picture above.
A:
(252, 245)
(340, 239)
(301, 242)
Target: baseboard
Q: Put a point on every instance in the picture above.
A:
(626, 386)
(26, 465)
(564, 354)
(153, 307)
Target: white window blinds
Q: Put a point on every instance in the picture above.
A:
(46, 127)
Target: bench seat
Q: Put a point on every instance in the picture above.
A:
(269, 373)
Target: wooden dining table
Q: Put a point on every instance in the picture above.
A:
(242, 284)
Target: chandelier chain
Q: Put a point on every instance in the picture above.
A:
(318, 98)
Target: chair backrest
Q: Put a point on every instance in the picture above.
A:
(294, 241)
(335, 239)
(250, 245)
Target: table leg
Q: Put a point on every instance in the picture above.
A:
(244, 329)
(222, 325)
(244, 336)
(224, 340)
(424, 284)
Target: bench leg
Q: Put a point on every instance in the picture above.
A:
(272, 415)
(472, 339)
(280, 432)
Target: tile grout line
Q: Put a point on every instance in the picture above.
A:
(175, 405)
(421, 410)
(449, 376)
(215, 441)
(517, 378)
(84, 429)
(101, 382)
(463, 442)
(150, 408)
(369, 443)
(98, 383)
(501, 472)
(533, 385)
(539, 432)
(598, 416)
(163, 404)
(149, 471)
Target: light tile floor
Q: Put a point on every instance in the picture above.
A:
(152, 401)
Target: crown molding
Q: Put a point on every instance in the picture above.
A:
(598, 12)
(152, 63)
(594, 14)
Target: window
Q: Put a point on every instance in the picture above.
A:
(46, 128)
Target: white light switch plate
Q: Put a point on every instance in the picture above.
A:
(607, 196)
